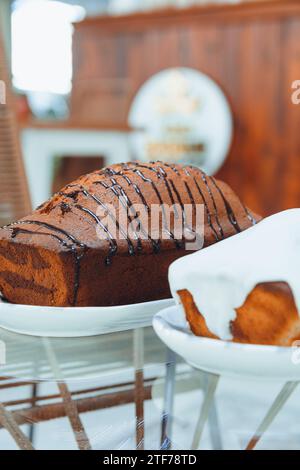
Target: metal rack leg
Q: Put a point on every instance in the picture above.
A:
(214, 427)
(167, 417)
(34, 394)
(138, 357)
(212, 383)
(70, 406)
(275, 408)
(9, 423)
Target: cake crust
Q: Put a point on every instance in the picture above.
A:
(55, 257)
(268, 316)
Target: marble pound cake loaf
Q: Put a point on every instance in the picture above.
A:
(245, 289)
(56, 257)
(268, 316)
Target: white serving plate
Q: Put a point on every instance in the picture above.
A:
(225, 358)
(77, 321)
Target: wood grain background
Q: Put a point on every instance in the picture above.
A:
(14, 194)
(252, 51)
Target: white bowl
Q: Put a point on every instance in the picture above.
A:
(77, 321)
(222, 357)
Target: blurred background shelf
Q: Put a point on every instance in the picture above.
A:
(73, 73)
(68, 124)
(249, 49)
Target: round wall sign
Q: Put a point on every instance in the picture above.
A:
(182, 116)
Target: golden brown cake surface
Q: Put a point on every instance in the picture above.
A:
(268, 316)
(55, 255)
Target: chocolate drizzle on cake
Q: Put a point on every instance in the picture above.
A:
(172, 167)
(50, 227)
(203, 176)
(172, 184)
(104, 206)
(64, 208)
(2, 298)
(113, 247)
(122, 196)
(230, 213)
(155, 243)
(209, 221)
(249, 215)
(18, 230)
(110, 171)
(160, 174)
(73, 247)
(185, 225)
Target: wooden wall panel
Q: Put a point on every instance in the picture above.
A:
(255, 109)
(14, 195)
(290, 119)
(252, 51)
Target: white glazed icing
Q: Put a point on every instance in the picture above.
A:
(221, 276)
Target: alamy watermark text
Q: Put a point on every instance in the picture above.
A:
(2, 92)
(296, 93)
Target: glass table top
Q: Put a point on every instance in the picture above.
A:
(128, 391)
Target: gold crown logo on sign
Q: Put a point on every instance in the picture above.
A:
(177, 97)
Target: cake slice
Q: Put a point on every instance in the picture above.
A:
(245, 289)
(65, 254)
